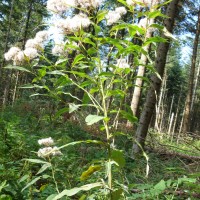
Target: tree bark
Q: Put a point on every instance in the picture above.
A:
(187, 115)
(141, 71)
(154, 89)
(5, 49)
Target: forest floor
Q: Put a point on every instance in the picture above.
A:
(173, 168)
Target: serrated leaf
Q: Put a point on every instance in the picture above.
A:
(92, 119)
(74, 191)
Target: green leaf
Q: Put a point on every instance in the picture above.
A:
(31, 183)
(101, 15)
(160, 186)
(61, 111)
(74, 191)
(109, 74)
(92, 119)
(60, 61)
(118, 156)
(116, 92)
(43, 168)
(17, 68)
(77, 59)
(3, 185)
(23, 178)
(36, 161)
(90, 171)
(117, 194)
(156, 13)
(5, 197)
(57, 72)
(155, 39)
(89, 41)
(129, 116)
(86, 83)
(51, 197)
(73, 107)
(42, 72)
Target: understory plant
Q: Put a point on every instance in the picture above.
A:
(94, 68)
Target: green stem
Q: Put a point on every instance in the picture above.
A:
(53, 176)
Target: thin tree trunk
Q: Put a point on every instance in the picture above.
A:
(177, 111)
(27, 22)
(159, 112)
(141, 70)
(187, 115)
(154, 89)
(170, 111)
(15, 88)
(195, 86)
(5, 89)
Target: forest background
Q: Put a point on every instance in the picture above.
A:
(118, 95)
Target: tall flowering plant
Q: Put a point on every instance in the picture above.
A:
(98, 57)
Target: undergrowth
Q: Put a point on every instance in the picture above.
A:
(169, 177)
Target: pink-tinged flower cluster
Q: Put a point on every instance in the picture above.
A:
(114, 16)
(122, 63)
(32, 46)
(75, 23)
(144, 2)
(48, 151)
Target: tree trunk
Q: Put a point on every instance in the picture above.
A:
(154, 89)
(187, 115)
(5, 49)
(27, 22)
(141, 70)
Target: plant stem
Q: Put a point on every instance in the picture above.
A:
(53, 176)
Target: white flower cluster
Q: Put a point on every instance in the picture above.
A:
(75, 23)
(14, 54)
(48, 150)
(89, 3)
(144, 23)
(59, 48)
(31, 49)
(122, 63)
(145, 2)
(113, 16)
(46, 141)
(59, 6)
